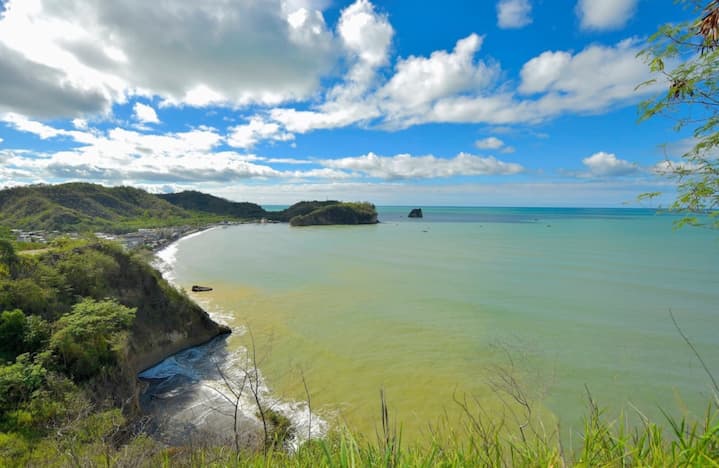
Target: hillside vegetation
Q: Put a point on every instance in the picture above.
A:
(205, 203)
(77, 323)
(82, 207)
(337, 213)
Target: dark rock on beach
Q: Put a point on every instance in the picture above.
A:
(416, 213)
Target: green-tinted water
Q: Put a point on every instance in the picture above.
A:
(431, 308)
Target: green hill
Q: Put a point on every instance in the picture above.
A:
(300, 209)
(203, 202)
(329, 213)
(83, 207)
(86, 207)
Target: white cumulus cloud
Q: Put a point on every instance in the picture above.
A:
(542, 71)
(248, 135)
(420, 82)
(457, 87)
(366, 33)
(605, 14)
(608, 165)
(61, 59)
(588, 81)
(406, 166)
(491, 143)
(144, 113)
(512, 14)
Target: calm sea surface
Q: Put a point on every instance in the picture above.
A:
(435, 309)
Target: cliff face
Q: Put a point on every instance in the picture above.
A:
(166, 322)
(90, 344)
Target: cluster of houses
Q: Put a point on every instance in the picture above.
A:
(39, 237)
(142, 238)
(150, 238)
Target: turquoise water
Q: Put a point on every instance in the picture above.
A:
(434, 308)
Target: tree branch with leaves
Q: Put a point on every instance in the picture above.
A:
(686, 57)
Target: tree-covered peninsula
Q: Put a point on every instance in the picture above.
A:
(329, 212)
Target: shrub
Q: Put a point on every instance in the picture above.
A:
(20, 334)
(18, 381)
(87, 338)
(89, 274)
(12, 333)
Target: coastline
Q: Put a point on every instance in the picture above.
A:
(163, 256)
(186, 388)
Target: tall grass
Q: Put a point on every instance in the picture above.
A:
(602, 442)
(480, 441)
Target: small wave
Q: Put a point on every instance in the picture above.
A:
(195, 389)
(190, 389)
(166, 258)
(178, 365)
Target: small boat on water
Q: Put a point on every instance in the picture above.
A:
(197, 288)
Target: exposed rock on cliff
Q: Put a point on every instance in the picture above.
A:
(167, 321)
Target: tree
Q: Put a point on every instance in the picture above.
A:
(12, 333)
(87, 339)
(8, 257)
(686, 57)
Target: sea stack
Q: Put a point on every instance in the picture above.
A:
(415, 213)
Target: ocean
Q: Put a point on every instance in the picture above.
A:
(468, 304)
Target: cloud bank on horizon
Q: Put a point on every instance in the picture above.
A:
(517, 102)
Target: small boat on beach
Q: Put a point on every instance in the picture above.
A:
(197, 288)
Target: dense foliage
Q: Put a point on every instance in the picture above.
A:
(686, 56)
(89, 336)
(73, 318)
(328, 213)
(81, 207)
(300, 209)
(205, 203)
(55, 344)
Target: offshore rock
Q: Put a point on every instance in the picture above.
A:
(416, 213)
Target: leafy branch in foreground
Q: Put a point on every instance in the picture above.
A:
(686, 57)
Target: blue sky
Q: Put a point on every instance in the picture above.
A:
(489, 103)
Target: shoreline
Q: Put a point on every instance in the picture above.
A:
(192, 376)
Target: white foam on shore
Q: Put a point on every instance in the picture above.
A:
(203, 398)
(208, 390)
(166, 258)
